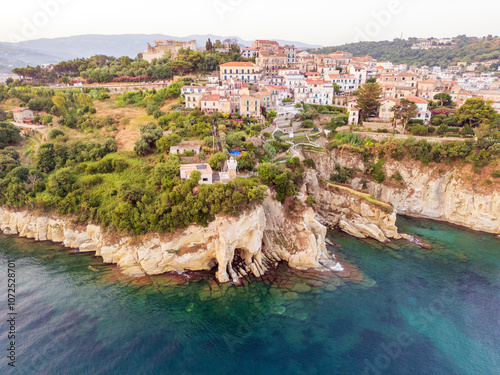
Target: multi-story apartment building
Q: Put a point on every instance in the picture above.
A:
(244, 71)
(271, 62)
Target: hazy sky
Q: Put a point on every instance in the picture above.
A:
(325, 22)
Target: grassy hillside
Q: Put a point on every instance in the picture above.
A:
(468, 49)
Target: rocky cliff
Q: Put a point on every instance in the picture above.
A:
(355, 214)
(248, 244)
(446, 192)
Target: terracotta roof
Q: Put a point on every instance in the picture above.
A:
(20, 109)
(238, 63)
(416, 99)
(211, 98)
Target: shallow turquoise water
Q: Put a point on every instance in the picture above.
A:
(417, 312)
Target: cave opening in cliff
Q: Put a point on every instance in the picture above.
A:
(238, 261)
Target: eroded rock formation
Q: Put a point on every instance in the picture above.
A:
(451, 193)
(248, 244)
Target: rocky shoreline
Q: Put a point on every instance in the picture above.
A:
(437, 192)
(249, 244)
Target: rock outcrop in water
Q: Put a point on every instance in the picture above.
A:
(352, 213)
(251, 243)
(441, 192)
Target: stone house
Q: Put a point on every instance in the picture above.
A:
(186, 146)
(23, 114)
(204, 169)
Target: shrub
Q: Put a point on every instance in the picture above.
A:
(8, 134)
(54, 133)
(141, 147)
(270, 150)
(309, 163)
(442, 129)
(494, 149)
(110, 145)
(377, 172)
(419, 130)
(397, 177)
(308, 124)
(310, 201)
(343, 174)
(495, 174)
(467, 130)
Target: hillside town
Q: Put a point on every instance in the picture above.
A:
(284, 73)
(268, 97)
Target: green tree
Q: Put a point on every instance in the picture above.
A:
(404, 111)
(476, 112)
(336, 88)
(444, 99)
(245, 161)
(141, 147)
(208, 45)
(369, 99)
(167, 141)
(8, 134)
(3, 114)
(216, 160)
(61, 182)
(270, 150)
(271, 115)
(150, 133)
(181, 67)
(46, 157)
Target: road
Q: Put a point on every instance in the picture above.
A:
(26, 126)
(380, 136)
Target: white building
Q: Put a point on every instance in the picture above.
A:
(248, 53)
(292, 77)
(204, 169)
(244, 71)
(346, 82)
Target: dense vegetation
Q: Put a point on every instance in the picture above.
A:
(93, 182)
(101, 68)
(398, 51)
(479, 153)
(9, 134)
(134, 191)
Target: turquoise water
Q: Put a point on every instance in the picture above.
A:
(416, 312)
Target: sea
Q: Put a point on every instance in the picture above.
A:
(409, 311)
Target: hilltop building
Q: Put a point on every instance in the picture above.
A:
(163, 46)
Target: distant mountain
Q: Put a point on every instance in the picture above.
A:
(47, 51)
(13, 57)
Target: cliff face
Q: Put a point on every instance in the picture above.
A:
(250, 243)
(443, 196)
(441, 192)
(353, 214)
